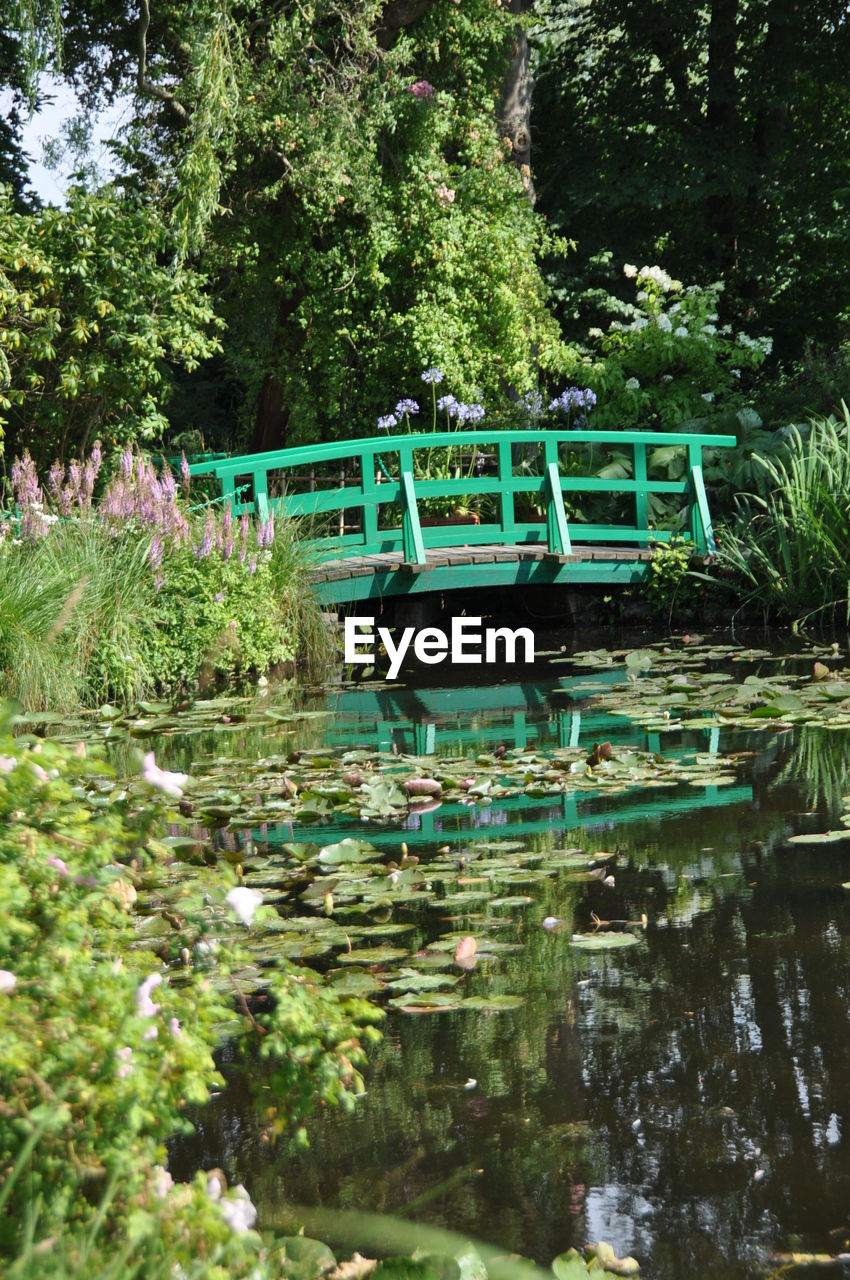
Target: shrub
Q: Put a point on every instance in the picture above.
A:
(104, 1044)
(671, 362)
(138, 593)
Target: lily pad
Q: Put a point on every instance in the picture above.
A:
(604, 941)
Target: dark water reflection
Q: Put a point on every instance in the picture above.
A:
(687, 1101)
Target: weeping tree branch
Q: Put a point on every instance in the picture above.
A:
(143, 83)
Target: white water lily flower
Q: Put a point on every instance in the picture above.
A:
(8, 981)
(238, 1210)
(171, 783)
(244, 902)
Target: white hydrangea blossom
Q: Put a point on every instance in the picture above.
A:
(664, 323)
(629, 271)
(708, 396)
(632, 384)
(680, 332)
(659, 277)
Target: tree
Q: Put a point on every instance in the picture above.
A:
(715, 139)
(91, 319)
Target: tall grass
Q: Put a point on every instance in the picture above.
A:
(790, 550)
(77, 617)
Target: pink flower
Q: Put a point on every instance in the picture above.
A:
(174, 1028)
(145, 1007)
(421, 89)
(125, 1056)
(445, 195)
(8, 981)
(7, 764)
(171, 783)
(58, 865)
(163, 1183)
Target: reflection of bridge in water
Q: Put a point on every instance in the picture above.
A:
(444, 722)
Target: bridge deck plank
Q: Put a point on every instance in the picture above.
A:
(440, 557)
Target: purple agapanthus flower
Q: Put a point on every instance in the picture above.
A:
(447, 404)
(432, 375)
(387, 423)
(470, 412)
(582, 399)
(406, 407)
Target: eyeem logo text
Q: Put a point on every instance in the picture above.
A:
(467, 645)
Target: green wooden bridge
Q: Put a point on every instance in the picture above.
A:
(372, 506)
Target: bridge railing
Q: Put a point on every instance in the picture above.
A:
(392, 480)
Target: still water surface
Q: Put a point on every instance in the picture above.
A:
(686, 1100)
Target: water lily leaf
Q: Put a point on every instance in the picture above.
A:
(412, 980)
(348, 850)
(570, 1266)
(371, 955)
(443, 1000)
(820, 837)
(306, 1259)
(604, 941)
(354, 982)
(493, 1004)
(639, 660)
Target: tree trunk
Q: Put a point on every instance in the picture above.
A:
(515, 107)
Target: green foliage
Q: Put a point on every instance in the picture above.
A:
(124, 1042)
(77, 622)
(789, 550)
(672, 362)
(664, 129)
(214, 619)
(91, 318)
(83, 621)
(668, 586)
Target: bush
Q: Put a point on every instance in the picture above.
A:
(670, 364)
(138, 594)
(105, 1044)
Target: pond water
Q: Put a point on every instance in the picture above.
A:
(685, 1097)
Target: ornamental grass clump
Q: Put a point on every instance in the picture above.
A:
(789, 551)
(130, 592)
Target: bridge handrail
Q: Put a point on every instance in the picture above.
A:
(368, 493)
(301, 455)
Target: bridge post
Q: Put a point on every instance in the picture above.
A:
(641, 495)
(369, 523)
(411, 530)
(506, 493)
(701, 530)
(556, 517)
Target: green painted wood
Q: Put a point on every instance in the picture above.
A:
(414, 547)
(706, 541)
(556, 516)
(375, 586)
(506, 493)
(363, 518)
(642, 492)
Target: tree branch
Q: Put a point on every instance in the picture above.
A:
(143, 83)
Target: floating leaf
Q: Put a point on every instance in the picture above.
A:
(604, 941)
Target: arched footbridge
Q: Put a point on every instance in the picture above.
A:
(397, 515)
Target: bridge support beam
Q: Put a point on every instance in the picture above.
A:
(556, 516)
(411, 530)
